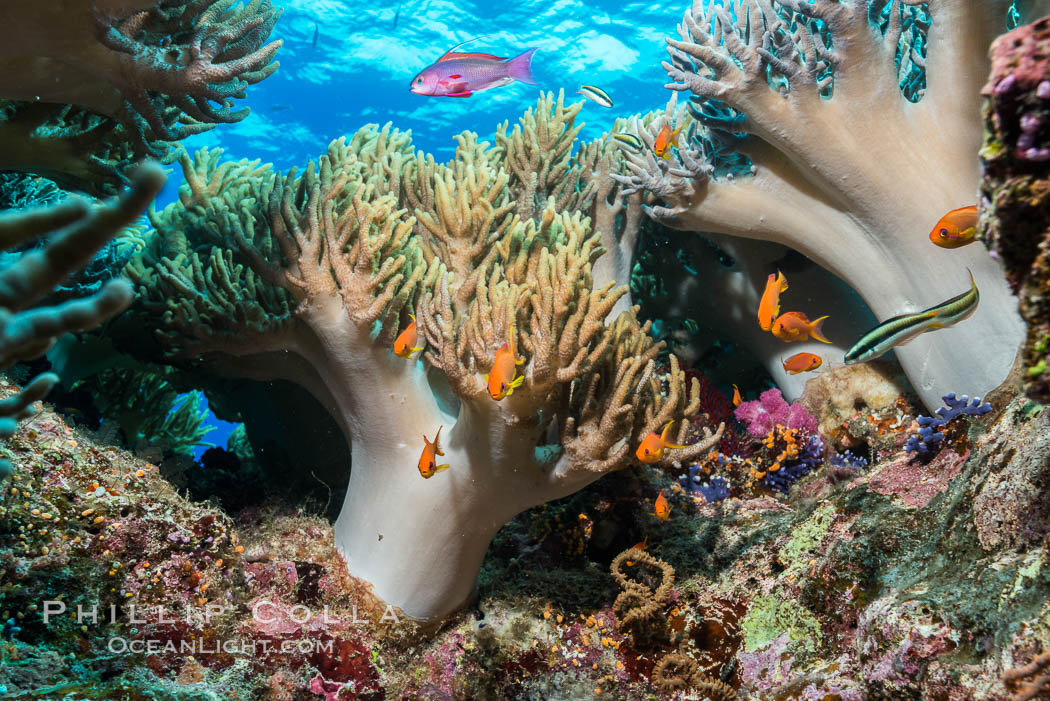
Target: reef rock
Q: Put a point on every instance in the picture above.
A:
(1015, 190)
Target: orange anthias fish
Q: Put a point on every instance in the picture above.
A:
(427, 460)
(405, 343)
(664, 140)
(801, 362)
(956, 228)
(795, 326)
(662, 507)
(501, 380)
(652, 447)
(769, 306)
(736, 396)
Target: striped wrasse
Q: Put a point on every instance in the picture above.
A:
(903, 328)
(596, 94)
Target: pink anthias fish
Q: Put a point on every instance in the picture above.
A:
(463, 74)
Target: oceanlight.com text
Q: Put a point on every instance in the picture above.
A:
(306, 646)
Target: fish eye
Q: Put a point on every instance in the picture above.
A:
(943, 233)
(502, 385)
(646, 451)
(419, 80)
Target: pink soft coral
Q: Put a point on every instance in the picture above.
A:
(769, 410)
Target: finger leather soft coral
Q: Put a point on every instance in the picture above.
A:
(87, 78)
(310, 275)
(77, 231)
(808, 89)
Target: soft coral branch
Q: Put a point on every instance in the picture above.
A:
(845, 169)
(162, 70)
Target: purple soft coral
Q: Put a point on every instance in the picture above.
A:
(929, 438)
(769, 410)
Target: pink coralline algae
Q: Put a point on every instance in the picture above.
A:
(770, 410)
(330, 690)
(914, 485)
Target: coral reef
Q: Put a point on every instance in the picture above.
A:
(639, 608)
(851, 591)
(107, 82)
(677, 672)
(100, 551)
(680, 292)
(862, 403)
(803, 90)
(309, 276)
(1028, 685)
(1015, 206)
(149, 411)
(930, 435)
(77, 231)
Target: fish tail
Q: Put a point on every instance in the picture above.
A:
(520, 67)
(816, 331)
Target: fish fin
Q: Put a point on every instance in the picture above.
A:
(815, 330)
(468, 93)
(663, 434)
(783, 281)
(461, 55)
(520, 67)
(486, 376)
(445, 56)
(417, 348)
(412, 317)
(517, 382)
(441, 468)
(673, 446)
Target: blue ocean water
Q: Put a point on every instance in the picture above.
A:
(358, 70)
